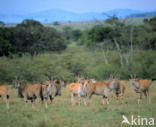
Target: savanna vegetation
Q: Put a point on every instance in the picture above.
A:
(33, 51)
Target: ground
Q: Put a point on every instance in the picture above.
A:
(62, 114)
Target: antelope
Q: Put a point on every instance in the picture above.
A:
(29, 92)
(97, 88)
(75, 89)
(118, 87)
(45, 93)
(4, 94)
(51, 89)
(54, 88)
(141, 86)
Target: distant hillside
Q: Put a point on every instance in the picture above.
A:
(65, 16)
(142, 15)
(52, 16)
(122, 13)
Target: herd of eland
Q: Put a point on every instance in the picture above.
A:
(82, 88)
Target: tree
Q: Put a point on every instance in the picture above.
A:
(76, 34)
(32, 37)
(56, 23)
(2, 23)
(146, 35)
(27, 36)
(67, 32)
(6, 48)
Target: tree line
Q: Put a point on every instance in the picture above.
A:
(143, 36)
(32, 37)
(29, 37)
(117, 47)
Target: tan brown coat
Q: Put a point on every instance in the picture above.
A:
(97, 88)
(30, 92)
(118, 87)
(141, 87)
(4, 93)
(75, 89)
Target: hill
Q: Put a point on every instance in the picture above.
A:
(143, 15)
(53, 15)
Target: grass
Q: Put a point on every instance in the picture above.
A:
(62, 114)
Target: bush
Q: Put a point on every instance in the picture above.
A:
(30, 37)
(103, 71)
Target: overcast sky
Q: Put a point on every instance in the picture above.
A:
(80, 6)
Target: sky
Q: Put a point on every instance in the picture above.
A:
(79, 6)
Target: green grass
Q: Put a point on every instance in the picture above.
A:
(62, 114)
